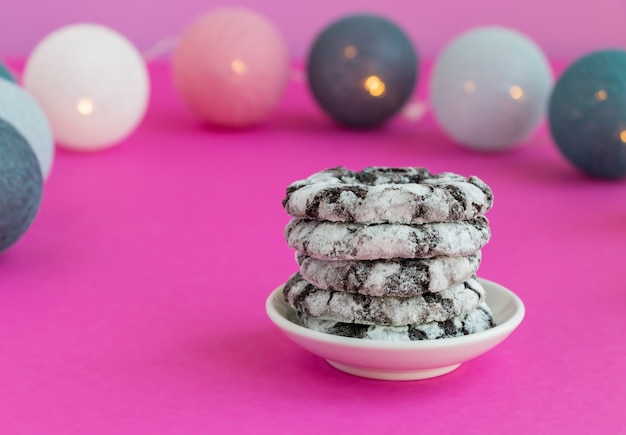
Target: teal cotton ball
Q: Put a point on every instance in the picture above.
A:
(21, 185)
(5, 73)
(587, 114)
(23, 112)
(489, 88)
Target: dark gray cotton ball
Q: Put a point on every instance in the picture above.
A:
(361, 70)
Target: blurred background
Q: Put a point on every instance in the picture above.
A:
(563, 29)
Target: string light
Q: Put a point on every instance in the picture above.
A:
(91, 82)
(591, 132)
(375, 86)
(247, 45)
(480, 62)
(356, 53)
(528, 97)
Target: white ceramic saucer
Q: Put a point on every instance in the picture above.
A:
(401, 361)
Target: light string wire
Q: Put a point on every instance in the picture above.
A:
(413, 111)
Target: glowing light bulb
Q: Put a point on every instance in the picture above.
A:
(469, 87)
(622, 136)
(239, 67)
(516, 92)
(84, 106)
(350, 52)
(374, 85)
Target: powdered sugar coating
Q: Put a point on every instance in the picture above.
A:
(392, 277)
(353, 241)
(475, 321)
(346, 307)
(394, 195)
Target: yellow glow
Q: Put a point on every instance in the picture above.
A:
(84, 106)
(469, 87)
(601, 95)
(374, 85)
(239, 67)
(622, 136)
(350, 52)
(516, 92)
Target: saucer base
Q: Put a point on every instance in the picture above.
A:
(394, 375)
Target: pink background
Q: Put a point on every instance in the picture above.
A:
(563, 28)
(135, 303)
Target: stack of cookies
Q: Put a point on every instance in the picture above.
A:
(388, 253)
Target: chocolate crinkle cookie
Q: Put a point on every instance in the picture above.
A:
(347, 307)
(353, 241)
(477, 320)
(392, 195)
(388, 253)
(398, 277)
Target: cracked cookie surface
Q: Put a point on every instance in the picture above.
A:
(392, 277)
(409, 195)
(347, 307)
(352, 241)
(477, 320)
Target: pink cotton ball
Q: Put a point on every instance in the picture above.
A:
(231, 67)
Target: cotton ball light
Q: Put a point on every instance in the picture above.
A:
(21, 185)
(22, 111)
(231, 67)
(91, 82)
(587, 113)
(361, 70)
(5, 73)
(489, 88)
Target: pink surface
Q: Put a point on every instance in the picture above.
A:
(135, 303)
(562, 28)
